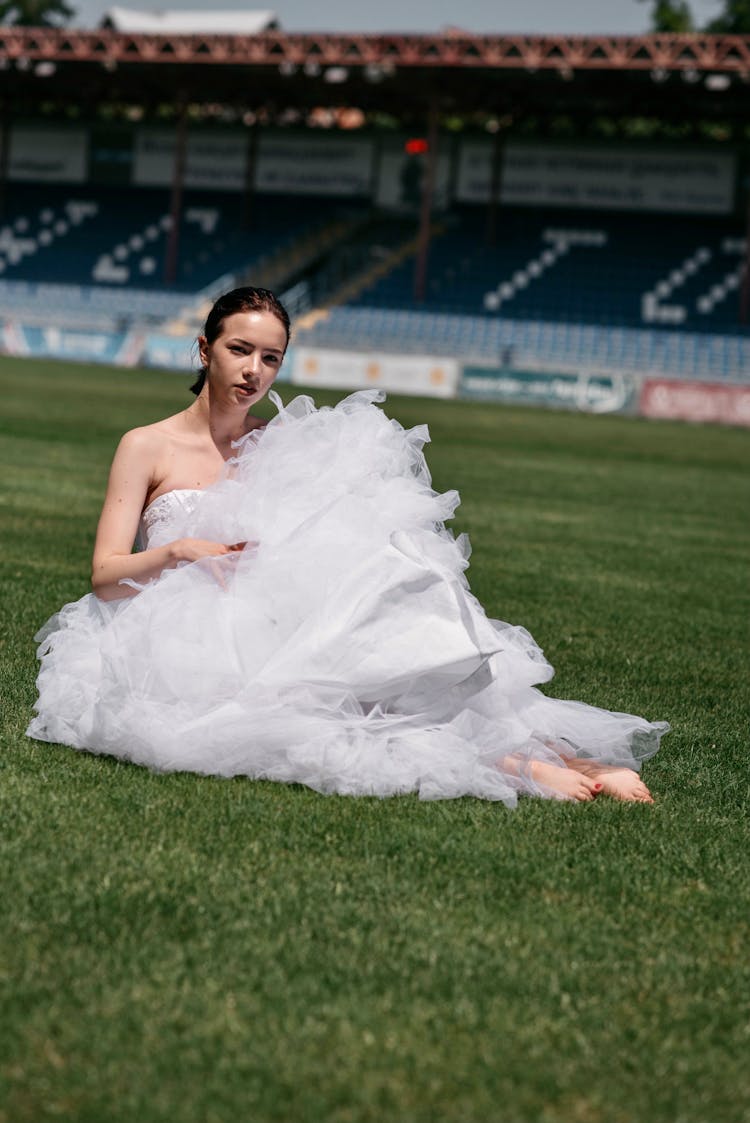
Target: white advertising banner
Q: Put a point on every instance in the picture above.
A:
(400, 178)
(424, 376)
(121, 348)
(48, 155)
(213, 160)
(603, 177)
(314, 164)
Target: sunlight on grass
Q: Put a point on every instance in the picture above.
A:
(181, 948)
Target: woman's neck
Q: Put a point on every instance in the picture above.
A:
(224, 426)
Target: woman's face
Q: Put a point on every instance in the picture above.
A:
(244, 359)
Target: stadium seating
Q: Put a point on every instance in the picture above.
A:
(118, 238)
(626, 270)
(623, 292)
(536, 343)
(558, 289)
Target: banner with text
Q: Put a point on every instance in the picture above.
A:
(601, 177)
(169, 352)
(695, 401)
(48, 155)
(314, 164)
(119, 348)
(590, 392)
(213, 160)
(424, 376)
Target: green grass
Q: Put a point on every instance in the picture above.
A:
(181, 949)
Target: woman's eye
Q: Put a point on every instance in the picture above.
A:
(271, 359)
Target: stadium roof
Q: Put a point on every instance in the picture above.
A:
(184, 22)
(681, 78)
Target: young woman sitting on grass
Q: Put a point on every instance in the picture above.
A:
(297, 611)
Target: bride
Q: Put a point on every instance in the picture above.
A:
(297, 611)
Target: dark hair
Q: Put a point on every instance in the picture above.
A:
(245, 299)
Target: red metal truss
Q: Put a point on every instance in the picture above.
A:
(715, 53)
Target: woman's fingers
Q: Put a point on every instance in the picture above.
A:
(193, 549)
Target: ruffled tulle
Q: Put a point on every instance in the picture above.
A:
(342, 649)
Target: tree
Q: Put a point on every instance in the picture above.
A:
(671, 15)
(734, 20)
(35, 13)
(675, 15)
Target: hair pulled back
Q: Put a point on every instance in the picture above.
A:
(245, 299)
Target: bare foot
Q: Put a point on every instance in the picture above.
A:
(562, 783)
(620, 783)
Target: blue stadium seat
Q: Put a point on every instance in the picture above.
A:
(117, 238)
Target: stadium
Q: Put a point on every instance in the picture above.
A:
(537, 244)
(575, 270)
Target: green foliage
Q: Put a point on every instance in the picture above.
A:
(670, 15)
(35, 13)
(734, 20)
(182, 948)
(676, 16)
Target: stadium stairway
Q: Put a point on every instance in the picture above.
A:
(280, 269)
(383, 250)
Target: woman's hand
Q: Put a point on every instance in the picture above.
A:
(200, 549)
(193, 549)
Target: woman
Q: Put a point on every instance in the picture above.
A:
(297, 611)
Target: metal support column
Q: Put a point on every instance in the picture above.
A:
(251, 160)
(171, 256)
(5, 115)
(496, 184)
(425, 214)
(745, 289)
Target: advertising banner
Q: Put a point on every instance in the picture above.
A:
(588, 391)
(169, 352)
(314, 164)
(213, 160)
(400, 177)
(695, 401)
(685, 181)
(48, 155)
(119, 348)
(424, 376)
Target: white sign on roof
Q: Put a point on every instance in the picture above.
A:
(134, 21)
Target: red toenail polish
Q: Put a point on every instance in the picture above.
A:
(597, 787)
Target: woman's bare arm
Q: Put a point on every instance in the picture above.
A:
(130, 479)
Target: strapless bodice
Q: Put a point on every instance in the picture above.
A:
(161, 511)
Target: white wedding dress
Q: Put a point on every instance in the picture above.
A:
(343, 650)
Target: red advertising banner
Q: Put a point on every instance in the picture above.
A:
(695, 401)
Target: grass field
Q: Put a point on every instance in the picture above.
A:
(180, 949)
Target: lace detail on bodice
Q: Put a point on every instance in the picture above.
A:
(161, 512)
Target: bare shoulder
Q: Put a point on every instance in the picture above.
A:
(148, 438)
(140, 440)
(141, 454)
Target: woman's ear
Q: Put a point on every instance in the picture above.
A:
(203, 350)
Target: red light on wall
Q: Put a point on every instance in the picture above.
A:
(416, 146)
